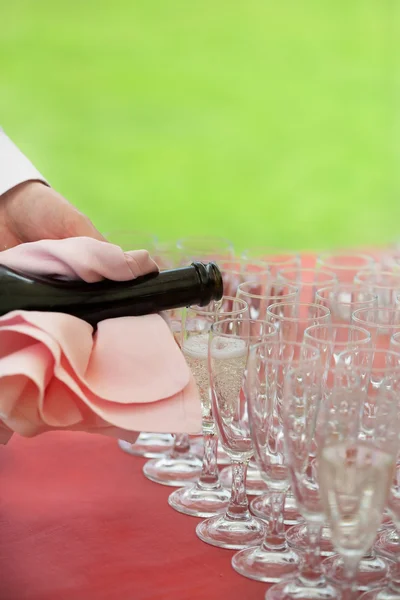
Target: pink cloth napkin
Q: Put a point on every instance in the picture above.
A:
(129, 376)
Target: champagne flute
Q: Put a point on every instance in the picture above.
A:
(308, 281)
(260, 296)
(381, 322)
(356, 458)
(206, 497)
(236, 271)
(302, 397)
(331, 341)
(204, 248)
(275, 259)
(385, 284)
(227, 354)
(345, 266)
(290, 319)
(343, 299)
(268, 364)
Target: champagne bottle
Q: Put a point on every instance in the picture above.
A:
(93, 302)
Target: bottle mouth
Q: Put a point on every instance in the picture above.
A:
(211, 280)
(216, 275)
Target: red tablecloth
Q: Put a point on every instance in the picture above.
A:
(79, 521)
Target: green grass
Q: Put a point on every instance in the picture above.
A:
(269, 122)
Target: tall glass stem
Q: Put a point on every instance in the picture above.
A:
(275, 534)
(395, 575)
(350, 568)
(181, 445)
(311, 570)
(209, 478)
(238, 508)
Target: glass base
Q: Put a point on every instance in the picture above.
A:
(388, 543)
(175, 471)
(385, 594)
(233, 534)
(291, 515)
(200, 502)
(297, 538)
(297, 589)
(266, 565)
(372, 571)
(255, 486)
(149, 445)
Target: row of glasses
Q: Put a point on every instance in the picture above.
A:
(267, 365)
(233, 426)
(292, 329)
(329, 474)
(275, 558)
(290, 319)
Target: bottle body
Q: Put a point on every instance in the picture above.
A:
(93, 302)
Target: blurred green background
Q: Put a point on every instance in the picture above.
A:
(271, 123)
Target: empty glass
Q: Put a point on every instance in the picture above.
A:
(345, 266)
(302, 397)
(260, 296)
(308, 281)
(385, 284)
(357, 447)
(236, 271)
(275, 259)
(331, 341)
(342, 300)
(382, 323)
(292, 318)
(268, 364)
(166, 255)
(207, 496)
(228, 354)
(204, 248)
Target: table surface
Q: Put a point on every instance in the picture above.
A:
(79, 521)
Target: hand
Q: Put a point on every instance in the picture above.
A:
(32, 211)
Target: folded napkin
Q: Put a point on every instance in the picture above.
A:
(55, 373)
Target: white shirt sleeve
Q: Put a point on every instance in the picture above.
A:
(15, 168)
